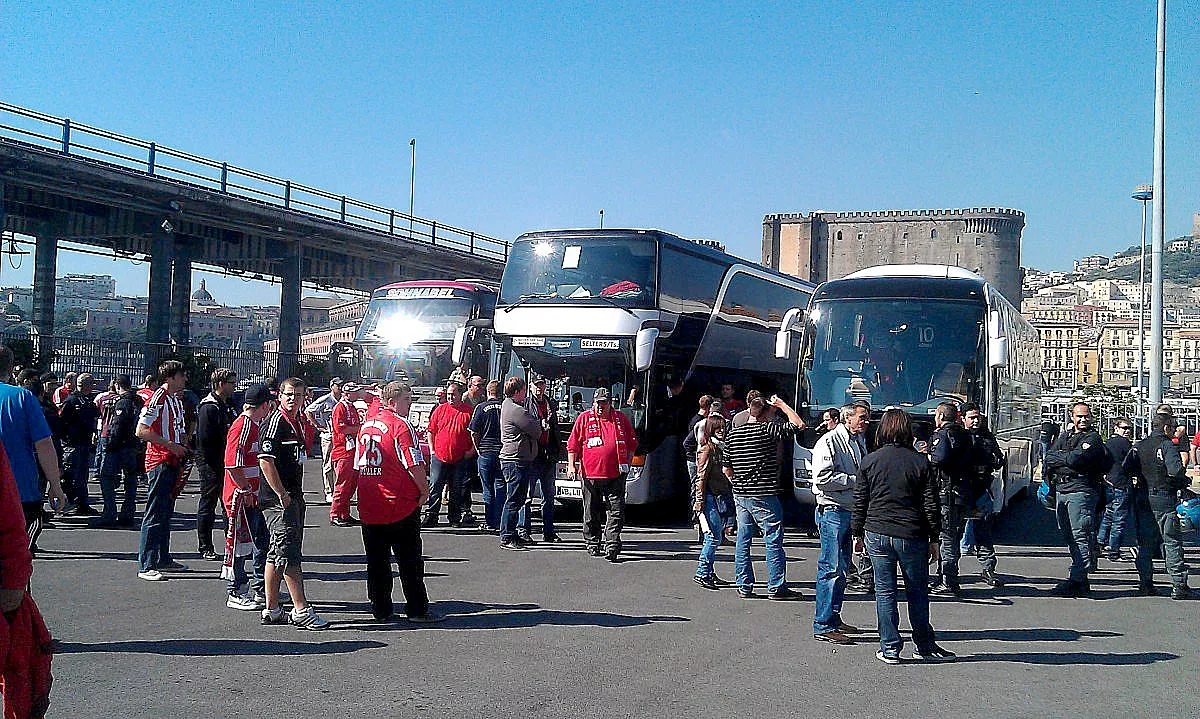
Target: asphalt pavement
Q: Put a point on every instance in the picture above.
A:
(555, 633)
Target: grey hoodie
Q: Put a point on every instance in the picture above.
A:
(519, 432)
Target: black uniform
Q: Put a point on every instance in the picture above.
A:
(214, 418)
(122, 458)
(954, 455)
(1159, 476)
(1075, 466)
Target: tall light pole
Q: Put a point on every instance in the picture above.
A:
(1156, 293)
(412, 185)
(602, 219)
(1143, 194)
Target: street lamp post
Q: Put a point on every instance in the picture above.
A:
(1156, 256)
(1143, 194)
(602, 219)
(412, 185)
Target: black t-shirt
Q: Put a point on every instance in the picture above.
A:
(485, 423)
(280, 441)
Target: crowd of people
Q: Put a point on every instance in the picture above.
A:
(889, 503)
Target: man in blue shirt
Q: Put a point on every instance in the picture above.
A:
(27, 441)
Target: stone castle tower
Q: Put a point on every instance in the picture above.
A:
(827, 245)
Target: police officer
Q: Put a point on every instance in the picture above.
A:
(1158, 475)
(1075, 467)
(986, 458)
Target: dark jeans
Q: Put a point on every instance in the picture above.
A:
(491, 478)
(77, 463)
(954, 519)
(516, 485)
(154, 550)
(256, 581)
(603, 503)
(458, 476)
(913, 557)
(211, 483)
(403, 541)
(1114, 524)
(541, 483)
(126, 464)
(1076, 514)
(1167, 521)
(833, 523)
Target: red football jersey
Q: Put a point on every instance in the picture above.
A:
(387, 451)
(163, 414)
(241, 450)
(345, 422)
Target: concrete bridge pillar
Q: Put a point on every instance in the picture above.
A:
(158, 310)
(289, 310)
(181, 299)
(45, 269)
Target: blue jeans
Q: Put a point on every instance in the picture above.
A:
(1114, 523)
(494, 491)
(541, 479)
(713, 539)
(1076, 513)
(154, 549)
(258, 557)
(77, 468)
(516, 481)
(833, 524)
(913, 557)
(124, 464)
(767, 514)
(458, 476)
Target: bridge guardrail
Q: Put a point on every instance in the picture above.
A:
(59, 134)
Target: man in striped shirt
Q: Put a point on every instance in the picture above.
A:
(161, 426)
(752, 465)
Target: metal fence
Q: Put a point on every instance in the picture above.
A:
(1108, 411)
(30, 127)
(104, 359)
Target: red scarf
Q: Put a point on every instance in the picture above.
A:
(591, 429)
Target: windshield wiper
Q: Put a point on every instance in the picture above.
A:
(531, 296)
(614, 303)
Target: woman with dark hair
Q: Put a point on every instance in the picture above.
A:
(897, 518)
(713, 499)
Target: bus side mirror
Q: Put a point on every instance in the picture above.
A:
(643, 348)
(792, 320)
(997, 351)
(459, 350)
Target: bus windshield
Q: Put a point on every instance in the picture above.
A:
(599, 270)
(893, 352)
(401, 322)
(574, 379)
(424, 365)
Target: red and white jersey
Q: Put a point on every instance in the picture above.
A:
(163, 414)
(241, 452)
(387, 452)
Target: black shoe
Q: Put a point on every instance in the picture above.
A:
(989, 578)
(785, 594)
(103, 523)
(1118, 558)
(611, 556)
(934, 654)
(427, 618)
(720, 582)
(467, 522)
(834, 637)
(1072, 589)
(595, 551)
(706, 582)
(126, 522)
(1147, 590)
(514, 544)
(429, 521)
(83, 510)
(943, 590)
(209, 555)
(845, 628)
(746, 593)
(1182, 592)
(525, 538)
(551, 538)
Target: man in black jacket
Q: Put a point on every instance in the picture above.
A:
(1076, 465)
(122, 456)
(1155, 461)
(215, 415)
(1116, 503)
(986, 459)
(79, 415)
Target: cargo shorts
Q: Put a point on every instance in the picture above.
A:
(285, 528)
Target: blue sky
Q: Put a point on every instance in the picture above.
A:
(696, 118)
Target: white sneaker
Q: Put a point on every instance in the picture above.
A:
(273, 617)
(237, 601)
(307, 619)
(328, 498)
(152, 575)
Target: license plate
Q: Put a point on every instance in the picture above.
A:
(569, 492)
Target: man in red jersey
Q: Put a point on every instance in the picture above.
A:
(62, 393)
(391, 489)
(599, 453)
(240, 497)
(453, 457)
(161, 426)
(345, 422)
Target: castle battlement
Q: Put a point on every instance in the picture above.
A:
(940, 214)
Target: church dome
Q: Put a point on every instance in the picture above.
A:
(202, 296)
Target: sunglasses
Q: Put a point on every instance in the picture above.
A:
(1125, 428)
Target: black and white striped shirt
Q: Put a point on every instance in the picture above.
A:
(751, 451)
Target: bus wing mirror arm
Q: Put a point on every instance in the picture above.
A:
(643, 349)
(792, 321)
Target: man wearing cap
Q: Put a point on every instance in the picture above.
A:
(453, 456)
(239, 495)
(543, 469)
(599, 452)
(344, 423)
(320, 413)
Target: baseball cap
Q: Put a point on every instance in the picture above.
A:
(539, 380)
(258, 395)
(335, 380)
(601, 394)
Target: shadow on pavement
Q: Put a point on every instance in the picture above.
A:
(1021, 635)
(1052, 658)
(219, 647)
(475, 615)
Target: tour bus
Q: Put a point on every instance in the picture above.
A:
(636, 312)
(913, 336)
(407, 334)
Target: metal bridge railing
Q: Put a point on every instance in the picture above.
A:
(35, 128)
